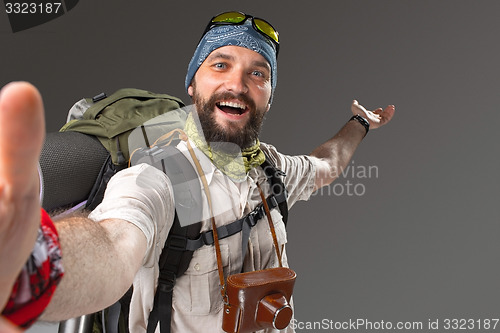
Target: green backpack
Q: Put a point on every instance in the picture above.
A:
(103, 117)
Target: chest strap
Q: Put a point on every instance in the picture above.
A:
(207, 237)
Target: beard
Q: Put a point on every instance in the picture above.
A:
(214, 132)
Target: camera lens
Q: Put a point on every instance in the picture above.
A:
(274, 311)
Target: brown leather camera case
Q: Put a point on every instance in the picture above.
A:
(258, 300)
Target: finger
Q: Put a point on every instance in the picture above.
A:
(22, 130)
(388, 113)
(21, 137)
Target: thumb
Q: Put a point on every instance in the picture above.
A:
(356, 108)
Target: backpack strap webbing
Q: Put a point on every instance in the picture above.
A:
(207, 237)
(278, 189)
(174, 261)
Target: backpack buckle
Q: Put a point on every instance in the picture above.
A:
(208, 237)
(254, 216)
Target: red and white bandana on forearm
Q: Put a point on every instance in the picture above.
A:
(37, 281)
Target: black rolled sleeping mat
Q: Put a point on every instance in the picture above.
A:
(70, 163)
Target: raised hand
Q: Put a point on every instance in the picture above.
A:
(376, 117)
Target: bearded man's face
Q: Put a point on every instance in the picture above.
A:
(231, 91)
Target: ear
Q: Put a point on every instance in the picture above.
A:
(268, 107)
(190, 90)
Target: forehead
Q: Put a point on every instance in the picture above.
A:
(238, 54)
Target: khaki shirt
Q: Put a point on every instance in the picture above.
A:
(197, 302)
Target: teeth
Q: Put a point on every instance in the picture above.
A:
(233, 105)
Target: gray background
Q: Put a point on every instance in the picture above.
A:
(421, 243)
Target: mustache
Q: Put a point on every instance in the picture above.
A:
(229, 95)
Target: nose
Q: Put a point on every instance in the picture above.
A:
(236, 82)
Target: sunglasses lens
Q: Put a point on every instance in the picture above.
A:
(239, 18)
(229, 17)
(266, 28)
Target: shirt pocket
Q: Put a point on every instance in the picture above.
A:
(197, 292)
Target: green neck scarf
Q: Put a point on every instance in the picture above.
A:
(229, 158)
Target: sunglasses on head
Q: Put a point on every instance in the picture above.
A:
(236, 18)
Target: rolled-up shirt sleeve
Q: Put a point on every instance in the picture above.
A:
(300, 173)
(141, 195)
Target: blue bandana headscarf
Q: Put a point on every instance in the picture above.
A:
(243, 35)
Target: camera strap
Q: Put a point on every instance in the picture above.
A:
(214, 227)
(271, 224)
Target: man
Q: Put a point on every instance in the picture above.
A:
(231, 79)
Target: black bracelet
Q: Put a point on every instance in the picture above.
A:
(362, 121)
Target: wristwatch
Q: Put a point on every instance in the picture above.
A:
(362, 121)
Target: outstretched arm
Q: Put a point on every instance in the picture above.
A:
(334, 155)
(100, 259)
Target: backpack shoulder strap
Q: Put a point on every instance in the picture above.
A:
(176, 255)
(278, 189)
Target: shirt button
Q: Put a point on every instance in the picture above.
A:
(197, 267)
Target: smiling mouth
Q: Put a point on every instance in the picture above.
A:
(232, 108)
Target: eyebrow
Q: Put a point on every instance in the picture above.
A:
(222, 55)
(263, 64)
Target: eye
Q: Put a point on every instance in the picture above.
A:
(258, 73)
(220, 65)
